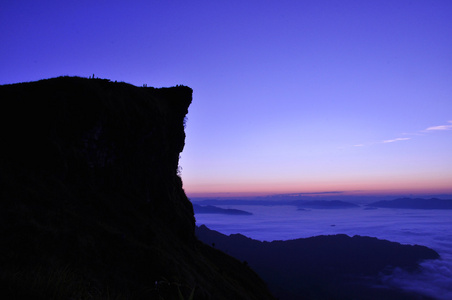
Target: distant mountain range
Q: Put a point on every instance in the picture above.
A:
(209, 209)
(313, 204)
(323, 204)
(322, 267)
(417, 203)
(410, 203)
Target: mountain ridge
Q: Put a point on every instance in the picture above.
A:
(210, 209)
(323, 267)
(413, 203)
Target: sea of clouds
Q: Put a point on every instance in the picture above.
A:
(432, 228)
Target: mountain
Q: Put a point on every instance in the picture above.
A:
(91, 204)
(323, 267)
(417, 203)
(314, 204)
(235, 201)
(323, 204)
(209, 209)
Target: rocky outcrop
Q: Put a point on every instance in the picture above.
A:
(91, 203)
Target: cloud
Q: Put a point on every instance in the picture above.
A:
(414, 133)
(396, 140)
(434, 279)
(419, 133)
(440, 127)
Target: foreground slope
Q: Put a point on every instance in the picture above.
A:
(91, 205)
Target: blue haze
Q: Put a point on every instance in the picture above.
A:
(432, 228)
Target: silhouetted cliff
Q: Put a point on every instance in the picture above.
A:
(91, 204)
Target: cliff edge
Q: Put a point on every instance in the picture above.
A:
(91, 203)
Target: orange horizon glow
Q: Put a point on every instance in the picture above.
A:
(363, 192)
(389, 187)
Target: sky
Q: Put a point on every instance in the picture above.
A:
(289, 96)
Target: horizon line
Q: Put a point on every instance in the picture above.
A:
(354, 193)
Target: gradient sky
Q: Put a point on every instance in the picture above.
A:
(289, 96)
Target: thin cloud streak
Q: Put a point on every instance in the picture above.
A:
(419, 133)
(440, 127)
(396, 140)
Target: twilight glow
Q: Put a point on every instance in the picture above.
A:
(289, 96)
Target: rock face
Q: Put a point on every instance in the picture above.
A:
(91, 203)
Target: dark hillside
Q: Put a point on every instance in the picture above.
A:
(91, 206)
(324, 267)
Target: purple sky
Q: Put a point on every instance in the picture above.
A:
(289, 96)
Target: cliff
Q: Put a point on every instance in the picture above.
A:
(91, 203)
